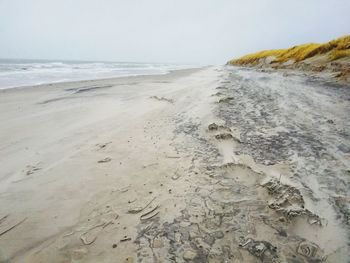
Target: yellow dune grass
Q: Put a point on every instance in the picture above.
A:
(337, 48)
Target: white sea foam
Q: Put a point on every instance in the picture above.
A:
(15, 73)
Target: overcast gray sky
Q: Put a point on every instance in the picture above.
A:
(178, 31)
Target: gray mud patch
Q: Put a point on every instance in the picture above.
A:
(88, 88)
(78, 93)
(171, 101)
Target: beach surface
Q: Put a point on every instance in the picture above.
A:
(217, 164)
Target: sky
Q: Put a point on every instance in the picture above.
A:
(172, 31)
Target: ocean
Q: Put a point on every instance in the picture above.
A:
(16, 73)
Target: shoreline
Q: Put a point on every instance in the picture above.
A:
(96, 79)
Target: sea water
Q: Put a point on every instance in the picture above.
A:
(16, 73)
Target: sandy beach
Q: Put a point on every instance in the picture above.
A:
(217, 164)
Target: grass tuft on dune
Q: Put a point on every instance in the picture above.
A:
(334, 49)
(337, 54)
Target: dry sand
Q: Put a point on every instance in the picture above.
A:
(130, 169)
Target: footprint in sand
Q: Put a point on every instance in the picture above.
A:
(225, 132)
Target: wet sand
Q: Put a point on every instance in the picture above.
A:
(218, 164)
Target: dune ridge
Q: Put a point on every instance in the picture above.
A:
(333, 56)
